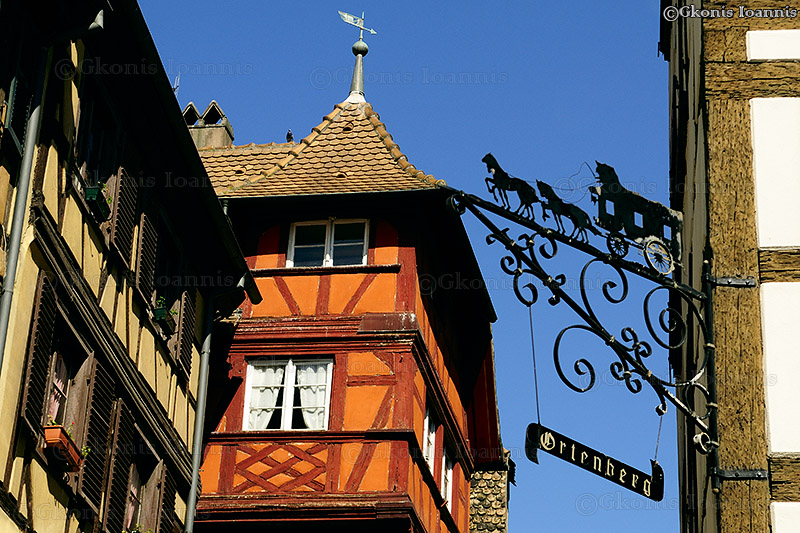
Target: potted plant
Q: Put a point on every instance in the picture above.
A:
(163, 316)
(98, 199)
(59, 440)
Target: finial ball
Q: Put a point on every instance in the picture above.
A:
(360, 48)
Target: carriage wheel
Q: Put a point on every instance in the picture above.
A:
(617, 245)
(658, 256)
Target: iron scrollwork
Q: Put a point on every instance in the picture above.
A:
(625, 220)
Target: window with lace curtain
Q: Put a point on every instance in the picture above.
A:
(447, 480)
(287, 394)
(430, 427)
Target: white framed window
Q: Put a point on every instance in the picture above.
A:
(287, 394)
(447, 480)
(429, 439)
(328, 243)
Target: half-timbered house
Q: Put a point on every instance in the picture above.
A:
(116, 256)
(735, 139)
(361, 389)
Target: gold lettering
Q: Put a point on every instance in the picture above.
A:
(584, 456)
(622, 474)
(548, 441)
(598, 464)
(573, 453)
(647, 487)
(561, 447)
(609, 467)
(634, 481)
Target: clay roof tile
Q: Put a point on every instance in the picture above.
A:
(350, 151)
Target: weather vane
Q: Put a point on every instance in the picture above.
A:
(357, 22)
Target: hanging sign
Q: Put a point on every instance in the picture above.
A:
(539, 437)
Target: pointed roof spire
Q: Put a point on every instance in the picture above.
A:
(360, 49)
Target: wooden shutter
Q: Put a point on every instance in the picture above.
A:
(121, 460)
(186, 331)
(101, 411)
(124, 215)
(166, 522)
(20, 102)
(146, 257)
(39, 353)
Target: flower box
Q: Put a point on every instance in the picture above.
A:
(165, 318)
(97, 201)
(58, 440)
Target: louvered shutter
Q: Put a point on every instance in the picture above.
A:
(20, 101)
(121, 460)
(146, 257)
(124, 215)
(166, 522)
(101, 411)
(186, 331)
(39, 353)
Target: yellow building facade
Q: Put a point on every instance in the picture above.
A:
(118, 258)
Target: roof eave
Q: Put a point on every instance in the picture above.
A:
(186, 147)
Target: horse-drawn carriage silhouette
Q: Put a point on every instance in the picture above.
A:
(632, 220)
(629, 219)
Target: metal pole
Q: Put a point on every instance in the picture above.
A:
(20, 203)
(199, 420)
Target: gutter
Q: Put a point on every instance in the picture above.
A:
(183, 139)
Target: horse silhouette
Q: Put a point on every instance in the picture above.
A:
(608, 178)
(559, 209)
(501, 183)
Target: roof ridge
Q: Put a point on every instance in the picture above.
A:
(248, 146)
(306, 141)
(394, 149)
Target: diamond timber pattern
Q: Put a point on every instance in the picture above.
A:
(280, 468)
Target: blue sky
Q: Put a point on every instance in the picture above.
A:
(546, 87)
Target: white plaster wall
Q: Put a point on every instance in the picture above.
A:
(776, 169)
(780, 314)
(785, 517)
(763, 45)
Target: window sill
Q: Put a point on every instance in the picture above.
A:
(318, 270)
(305, 435)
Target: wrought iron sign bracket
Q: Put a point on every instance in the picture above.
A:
(626, 220)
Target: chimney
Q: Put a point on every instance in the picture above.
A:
(211, 129)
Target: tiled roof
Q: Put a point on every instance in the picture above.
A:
(229, 167)
(350, 151)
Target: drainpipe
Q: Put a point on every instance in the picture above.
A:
(200, 413)
(32, 129)
(202, 396)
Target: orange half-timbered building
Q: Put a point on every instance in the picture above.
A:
(361, 389)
